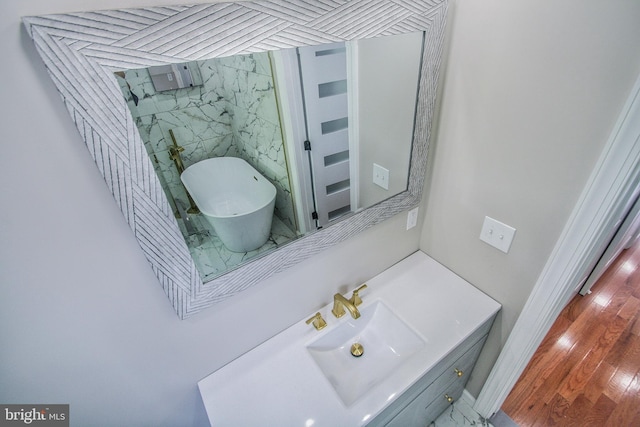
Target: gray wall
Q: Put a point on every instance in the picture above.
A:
(82, 317)
(530, 95)
(83, 320)
(388, 73)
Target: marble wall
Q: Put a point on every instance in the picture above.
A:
(233, 113)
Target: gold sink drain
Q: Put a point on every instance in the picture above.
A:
(357, 349)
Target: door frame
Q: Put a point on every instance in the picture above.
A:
(582, 242)
(623, 234)
(291, 112)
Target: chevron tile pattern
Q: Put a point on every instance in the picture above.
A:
(82, 50)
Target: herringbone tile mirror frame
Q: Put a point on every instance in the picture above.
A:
(82, 50)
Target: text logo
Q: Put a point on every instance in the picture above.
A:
(34, 415)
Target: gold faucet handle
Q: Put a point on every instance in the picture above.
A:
(355, 298)
(175, 143)
(318, 321)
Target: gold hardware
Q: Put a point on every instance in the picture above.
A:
(355, 298)
(339, 304)
(174, 154)
(357, 349)
(458, 372)
(449, 398)
(318, 321)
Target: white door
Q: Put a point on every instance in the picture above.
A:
(323, 71)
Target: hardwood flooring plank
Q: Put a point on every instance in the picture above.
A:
(630, 308)
(577, 306)
(536, 388)
(593, 390)
(549, 349)
(587, 369)
(631, 358)
(619, 349)
(599, 413)
(577, 379)
(617, 385)
(578, 412)
(575, 382)
(627, 409)
(550, 414)
(636, 292)
(635, 421)
(577, 353)
(617, 301)
(635, 324)
(548, 346)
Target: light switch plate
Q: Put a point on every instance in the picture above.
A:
(381, 176)
(497, 234)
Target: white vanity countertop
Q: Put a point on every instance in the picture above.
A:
(279, 383)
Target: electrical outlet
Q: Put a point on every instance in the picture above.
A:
(497, 234)
(412, 218)
(381, 176)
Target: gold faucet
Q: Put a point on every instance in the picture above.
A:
(174, 154)
(340, 303)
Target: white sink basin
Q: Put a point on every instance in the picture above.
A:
(387, 342)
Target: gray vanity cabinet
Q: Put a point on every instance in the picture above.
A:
(437, 389)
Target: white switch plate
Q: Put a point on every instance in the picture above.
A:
(497, 234)
(381, 176)
(412, 218)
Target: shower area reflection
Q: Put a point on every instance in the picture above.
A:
(225, 108)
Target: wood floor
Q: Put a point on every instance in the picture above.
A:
(586, 372)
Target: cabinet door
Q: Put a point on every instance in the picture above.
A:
(410, 407)
(421, 412)
(433, 400)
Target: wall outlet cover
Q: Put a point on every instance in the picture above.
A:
(412, 218)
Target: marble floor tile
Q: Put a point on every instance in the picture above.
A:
(212, 258)
(461, 414)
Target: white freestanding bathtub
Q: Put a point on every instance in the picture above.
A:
(235, 199)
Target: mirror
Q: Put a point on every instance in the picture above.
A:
(262, 107)
(82, 51)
